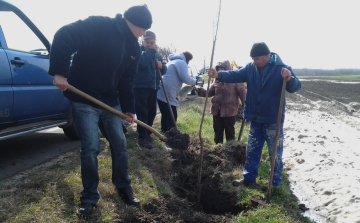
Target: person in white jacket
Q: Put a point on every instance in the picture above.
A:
(177, 74)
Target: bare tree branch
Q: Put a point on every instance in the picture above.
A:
(166, 51)
(203, 114)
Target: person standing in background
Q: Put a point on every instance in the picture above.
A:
(224, 104)
(146, 86)
(177, 74)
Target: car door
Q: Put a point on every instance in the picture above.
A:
(6, 92)
(34, 95)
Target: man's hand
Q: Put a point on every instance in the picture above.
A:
(158, 65)
(154, 47)
(60, 82)
(131, 117)
(286, 74)
(213, 73)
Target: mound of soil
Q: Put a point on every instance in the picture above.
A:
(216, 161)
(216, 205)
(176, 140)
(171, 209)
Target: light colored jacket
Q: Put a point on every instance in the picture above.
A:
(177, 74)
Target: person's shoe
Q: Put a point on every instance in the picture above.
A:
(145, 143)
(237, 183)
(127, 196)
(86, 209)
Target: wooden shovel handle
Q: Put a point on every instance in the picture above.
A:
(268, 194)
(167, 97)
(117, 112)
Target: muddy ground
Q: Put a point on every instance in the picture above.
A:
(343, 92)
(322, 134)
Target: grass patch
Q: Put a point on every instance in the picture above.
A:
(330, 77)
(52, 193)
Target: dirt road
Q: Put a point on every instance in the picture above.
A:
(24, 152)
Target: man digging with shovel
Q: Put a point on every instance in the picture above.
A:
(106, 53)
(264, 78)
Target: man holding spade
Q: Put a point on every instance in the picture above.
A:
(264, 77)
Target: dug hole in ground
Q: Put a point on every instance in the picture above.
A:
(321, 150)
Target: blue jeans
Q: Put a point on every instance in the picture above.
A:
(86, 119)
(258, 134)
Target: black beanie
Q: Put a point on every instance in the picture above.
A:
(259, 49)
(139, 15)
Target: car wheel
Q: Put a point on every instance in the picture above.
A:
(71, 132)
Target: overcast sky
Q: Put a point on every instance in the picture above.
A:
(305, 34)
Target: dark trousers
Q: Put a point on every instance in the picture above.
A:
(166, 119)
(145, 106)
(223, 123)
(86, 119)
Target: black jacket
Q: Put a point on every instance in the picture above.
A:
(105, 60)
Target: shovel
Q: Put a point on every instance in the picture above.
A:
(241, 129)
(172, 138)
(268, 194)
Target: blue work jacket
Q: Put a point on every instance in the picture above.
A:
(262, 97)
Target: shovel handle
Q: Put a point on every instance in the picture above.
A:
(268, 194)
(241, 129)
(117, 112)
(167, 97)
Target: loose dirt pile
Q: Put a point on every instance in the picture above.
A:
(177, 140)
(217, 161)
(218, 202)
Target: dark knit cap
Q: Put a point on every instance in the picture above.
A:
(188, 56)
(139, 15)
(149, 35)
(259, 49)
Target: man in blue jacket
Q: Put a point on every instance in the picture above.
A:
(146, 85)
(106, 52)
(264, 78)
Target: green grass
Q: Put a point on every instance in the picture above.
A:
(52, 194)
(206, 78)
(190, 118)
(339, 77)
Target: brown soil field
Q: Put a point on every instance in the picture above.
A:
(344, 92)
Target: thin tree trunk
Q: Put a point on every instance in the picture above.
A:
(203, 114)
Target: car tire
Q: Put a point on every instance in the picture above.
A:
(71, 132)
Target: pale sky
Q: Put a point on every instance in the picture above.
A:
(306, 34)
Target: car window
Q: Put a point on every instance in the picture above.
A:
(19, 36)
